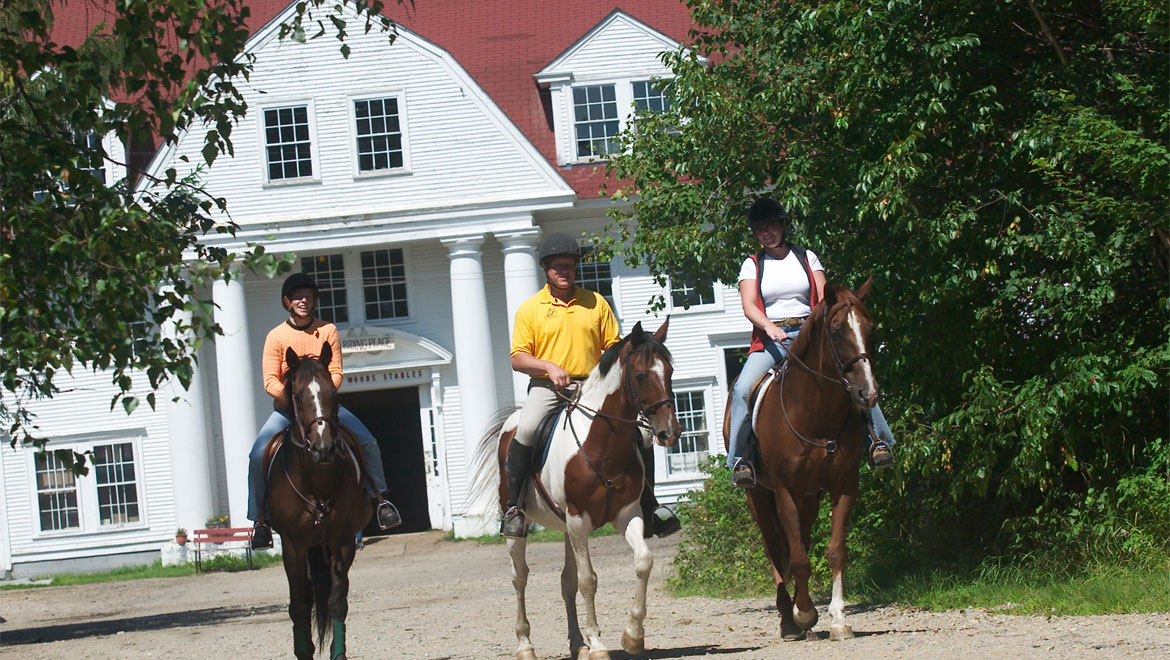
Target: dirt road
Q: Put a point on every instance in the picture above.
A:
(419, 597)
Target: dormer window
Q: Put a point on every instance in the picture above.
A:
(598, 85)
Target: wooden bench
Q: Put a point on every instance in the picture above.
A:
(204, 538)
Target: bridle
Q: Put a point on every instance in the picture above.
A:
(318, 508)
(830, 444)
(305, 425)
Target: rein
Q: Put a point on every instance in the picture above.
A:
(830, 444)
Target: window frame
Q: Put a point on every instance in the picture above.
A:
(86, 487)
(612, 298)
(314, 143)
(717, 289)
(411, 299)
(624, 96)
(399, 95)
(703, 389)
(344, 285)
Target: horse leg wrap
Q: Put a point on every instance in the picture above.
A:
(338, 640)
(302, 643)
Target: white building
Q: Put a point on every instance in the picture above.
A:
(414, 181)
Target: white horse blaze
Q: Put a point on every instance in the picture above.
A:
(867, 372)
(318, 414)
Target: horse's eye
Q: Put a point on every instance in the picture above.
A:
(640, 377)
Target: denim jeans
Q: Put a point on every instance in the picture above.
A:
(279, 421)
(755, 366)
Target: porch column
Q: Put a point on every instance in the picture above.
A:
(521, 280)
(473, 367)
(237, 407)
(187, 429)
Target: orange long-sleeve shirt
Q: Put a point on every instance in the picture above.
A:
(305, 343)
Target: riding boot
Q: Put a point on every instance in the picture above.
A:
(518, 468)
(261, 536)
(388, 517)
(659, 520)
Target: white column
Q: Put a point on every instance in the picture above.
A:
(191, 471)
(473, 367)
(237, 378)
(521, 280)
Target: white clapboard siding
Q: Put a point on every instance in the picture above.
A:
(619, 47)
(462, 149)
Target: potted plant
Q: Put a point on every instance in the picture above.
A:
(181, 536)
(217, 522)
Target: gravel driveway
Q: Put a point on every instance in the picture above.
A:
(419, 597)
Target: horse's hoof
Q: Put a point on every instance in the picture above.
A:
(599, 655)
(526, 654)
(806, 620)
(633, 646)
(840, 632)
(582, 653)
(790, 632)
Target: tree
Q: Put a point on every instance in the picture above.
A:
(90, 272)
(1000, 167)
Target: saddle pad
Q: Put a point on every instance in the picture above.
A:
(757, 395)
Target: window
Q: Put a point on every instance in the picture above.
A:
(595, 120)
(691, 450)
(384, 284)
(329, 271)
(649, 95)
(379, 134)
(92, 158)
(56, 493)
(286, 134)
(692, 293)
(117, 490)
(595, 275)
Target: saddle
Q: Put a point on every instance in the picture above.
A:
(544, 434)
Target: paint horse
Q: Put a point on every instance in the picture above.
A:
(593, 475)
(807, 417)
(318, 504)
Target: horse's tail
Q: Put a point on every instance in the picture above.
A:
(321, 581)
(485, 468)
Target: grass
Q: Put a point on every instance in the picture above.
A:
(227, 563)
(1093, 590)
(536, 536)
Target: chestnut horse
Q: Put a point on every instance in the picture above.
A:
(810, 427)
(318, 504)
(593, 475)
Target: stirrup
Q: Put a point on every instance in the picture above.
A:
(743, 475)
(261, 536)
(514, 525)
(881, 457)
(388, 516)
(662, 526)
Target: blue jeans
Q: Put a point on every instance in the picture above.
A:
(279, 421)
(755, 366)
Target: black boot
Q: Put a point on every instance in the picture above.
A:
(659, 520)
(880, 455)
(261, 536)
(518, 468)
(388, 517)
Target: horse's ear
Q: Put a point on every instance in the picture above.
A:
(830, 294)
(326, 354)
(290, 357)
(635, 335)
(660, 334)
(865, 289)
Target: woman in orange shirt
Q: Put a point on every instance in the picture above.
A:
(305, 334)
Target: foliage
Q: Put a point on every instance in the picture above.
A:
(1003, 173)
(90, 272)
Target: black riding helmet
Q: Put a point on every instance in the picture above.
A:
(297, 281)
(766, 209)
(554, 245)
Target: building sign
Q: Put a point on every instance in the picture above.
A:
(400, 376)
(366, 344)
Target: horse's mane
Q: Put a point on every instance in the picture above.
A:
(291, 374)
(815, 323)
(647, 349)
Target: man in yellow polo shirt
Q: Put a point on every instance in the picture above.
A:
(558, 338)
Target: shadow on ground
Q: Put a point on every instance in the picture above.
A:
(186, 619)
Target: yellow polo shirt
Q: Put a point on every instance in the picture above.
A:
(570, 334)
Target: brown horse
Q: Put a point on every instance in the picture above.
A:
(318, 504)
(593, 475)
(810, 430)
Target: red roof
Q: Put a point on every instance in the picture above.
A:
(500, 43)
